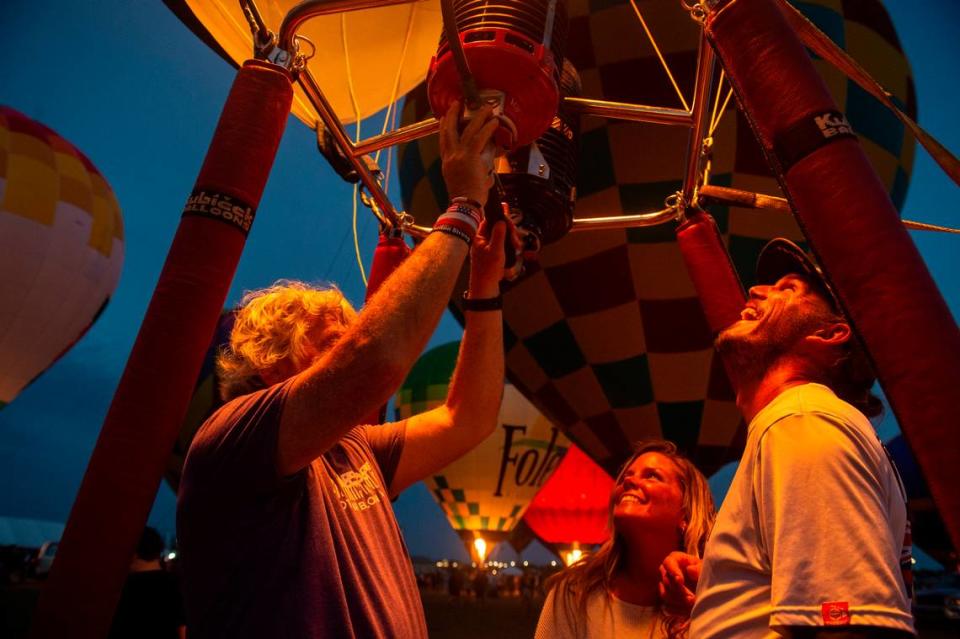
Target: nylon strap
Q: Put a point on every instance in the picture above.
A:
(821, 44)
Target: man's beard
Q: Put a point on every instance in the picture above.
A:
(748, 356)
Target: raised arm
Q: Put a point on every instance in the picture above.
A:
(367, 364)
(439, 436)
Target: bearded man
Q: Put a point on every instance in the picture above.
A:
(811, 537)
(284, 517)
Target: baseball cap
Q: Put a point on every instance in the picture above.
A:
(782, 257)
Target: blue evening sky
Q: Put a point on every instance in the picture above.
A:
(129, 85)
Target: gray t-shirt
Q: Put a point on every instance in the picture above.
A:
(812, 528)
(315, 554)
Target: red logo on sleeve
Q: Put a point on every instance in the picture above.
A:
(835, 613)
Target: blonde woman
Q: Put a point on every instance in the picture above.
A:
(641, 581)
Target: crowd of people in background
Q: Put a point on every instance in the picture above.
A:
(472, 583)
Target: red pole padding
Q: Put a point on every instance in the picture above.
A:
(390, 253)
(854, 231)
(714, 276)
(708, 263)
(138, 434)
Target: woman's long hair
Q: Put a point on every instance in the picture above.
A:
(595, 572)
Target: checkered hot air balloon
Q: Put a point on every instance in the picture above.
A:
(485, 493)
(61, 248)
(606, 337)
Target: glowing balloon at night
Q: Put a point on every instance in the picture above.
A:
(61, 248)
(606, 336)
(364, 60)
(485, 493)
(571, 513)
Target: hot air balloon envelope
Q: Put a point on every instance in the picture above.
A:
(485, 493)
(61, 248)
(364, 60)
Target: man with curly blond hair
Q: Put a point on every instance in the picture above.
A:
(284, 517)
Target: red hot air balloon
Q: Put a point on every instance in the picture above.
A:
(572, 510)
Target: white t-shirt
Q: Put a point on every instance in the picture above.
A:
(811, 530)
(607, 618)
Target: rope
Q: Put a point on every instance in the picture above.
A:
(356, 112)
(760, 202)
(391, 117)
(716, 99)
(923, 226)
(821, 44)
(723, 109)
(656, 49)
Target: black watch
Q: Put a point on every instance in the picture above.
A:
(486, 304)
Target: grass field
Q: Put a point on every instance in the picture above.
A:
(507, 618)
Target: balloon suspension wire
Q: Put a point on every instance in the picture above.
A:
(718, 115)
(356, 112)
(706, 146)
(663, 62)
(718, 111)
(390, 119)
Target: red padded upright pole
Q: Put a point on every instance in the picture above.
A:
(708, 263)
(390, 253)
(714, 277)
(854, 231)
(139, 431)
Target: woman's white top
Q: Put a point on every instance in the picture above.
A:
(607, 617)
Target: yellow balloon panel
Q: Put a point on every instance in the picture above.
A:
(490, 487)
(61, 248)
(364, 59)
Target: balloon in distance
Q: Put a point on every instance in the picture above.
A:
(61, 248)
(571, 513)
(485, 493)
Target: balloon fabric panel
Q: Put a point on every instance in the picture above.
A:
(358, 53)
(573, 506)
(606, 336)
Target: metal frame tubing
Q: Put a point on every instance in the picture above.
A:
(624, 221)
(695, 119)
(701, 93)
(383, 207)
